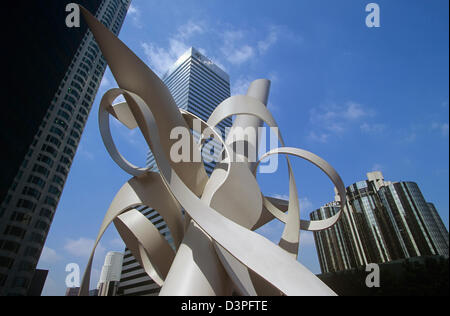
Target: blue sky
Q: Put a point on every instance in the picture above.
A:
(362, 98)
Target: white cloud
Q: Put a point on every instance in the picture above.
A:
(49, 256)
(240, 55)
(238, 47)
(442, 127)
(372, 128)
(82, 247)
(189, 29)
(161, 58)
(336, 119)
(355, 111)
(240, 86)
(132, 10)
(318, 137)
(272, 38)
(135, 13)
(235, 52)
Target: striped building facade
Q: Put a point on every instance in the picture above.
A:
(381, 222)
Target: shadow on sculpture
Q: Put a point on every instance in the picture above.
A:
(217, 251)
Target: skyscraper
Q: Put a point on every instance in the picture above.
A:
(198, 86)
(334, 246)
(53, 121)
(39, 50)
(441, 241)
(418, 226)
(382, 221)
(110, 275)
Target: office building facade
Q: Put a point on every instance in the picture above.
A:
(419, 228)
(110, 275)
(39, 49)
(382, 222)
(198, 86)
(333, 245)
(27, 211)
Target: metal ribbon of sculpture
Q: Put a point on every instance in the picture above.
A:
(216, 248)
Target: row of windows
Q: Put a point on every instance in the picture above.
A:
(15, 231)
(11, 246)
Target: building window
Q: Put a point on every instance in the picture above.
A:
(50, 201)
(15, 231)
(41, 225)
(57, 131)
(31, 192)
(37, 181)
(54, 191)
(10, 246)
(46, 213)
(21, 218)
(20, 282)
(47, 160)
(25, 204)
(6, 262)
(26, 266)
(58, 180)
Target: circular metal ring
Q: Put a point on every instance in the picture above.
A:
(105, 131)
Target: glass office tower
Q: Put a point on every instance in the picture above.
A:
(198, 86)
(419, 226)
(382, 221)
(55, 122)
(333, 245)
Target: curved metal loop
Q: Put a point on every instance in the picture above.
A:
(251, 106)
(105, 110)
(148, 190)
(148, 102)
(251, 249)
(327, 169)
(146, 243)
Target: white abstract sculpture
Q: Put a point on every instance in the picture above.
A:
(217, 250)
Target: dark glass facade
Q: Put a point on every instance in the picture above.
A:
(382, 222)
(55, 74)
(39, 49)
